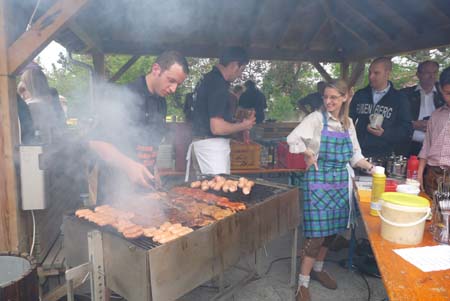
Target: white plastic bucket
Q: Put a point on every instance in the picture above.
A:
(403, 224)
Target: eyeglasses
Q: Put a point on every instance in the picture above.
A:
(332, 97)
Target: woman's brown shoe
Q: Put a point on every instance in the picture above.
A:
(303, 294)
(324, 278)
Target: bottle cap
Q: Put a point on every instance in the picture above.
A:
(379, 169)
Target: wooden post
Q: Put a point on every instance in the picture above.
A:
(98, 59)
(357, 72)
(11, 238)
(344, 71)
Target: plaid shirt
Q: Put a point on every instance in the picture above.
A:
(436, 146)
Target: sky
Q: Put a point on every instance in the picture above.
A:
(50, 55)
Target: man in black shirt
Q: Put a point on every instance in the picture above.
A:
(212, 118)
(131, 125)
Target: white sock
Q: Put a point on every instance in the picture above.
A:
(318, 266)
(303, 280)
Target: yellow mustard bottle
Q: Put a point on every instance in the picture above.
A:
(378, 186)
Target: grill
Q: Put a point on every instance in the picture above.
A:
(141, 269)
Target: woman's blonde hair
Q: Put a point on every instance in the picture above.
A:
(343, 89)
(36, 83)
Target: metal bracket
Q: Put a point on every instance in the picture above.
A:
(95, 246)
(95, 268)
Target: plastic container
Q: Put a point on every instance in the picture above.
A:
(391, 185)
(408, 189)
(412, 168)
(403, 217)
(289, 160)
(378, 186)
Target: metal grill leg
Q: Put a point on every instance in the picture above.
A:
(95, 245)
(294, 258)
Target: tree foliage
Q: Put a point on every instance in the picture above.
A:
(283, 82)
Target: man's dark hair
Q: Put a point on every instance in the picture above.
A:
(166, 59)
(444, 79)
(234, 54)
(422, 64)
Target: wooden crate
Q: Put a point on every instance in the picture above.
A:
(245, 156)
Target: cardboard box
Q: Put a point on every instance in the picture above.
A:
(245, 156)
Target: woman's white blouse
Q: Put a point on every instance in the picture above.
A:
(307, 135)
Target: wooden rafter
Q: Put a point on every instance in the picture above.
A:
(322, 71)
(436, 12)
(391, 15)
(124, 68)
(333, 19)
(256, 12)
(437, 6)
(279, 35)
(33, 41)
(380, 33)
(91, 41)
(315, 35)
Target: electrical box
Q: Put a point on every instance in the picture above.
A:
(33, 178)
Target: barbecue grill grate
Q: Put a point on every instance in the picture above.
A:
(142, 242)
(259, 194)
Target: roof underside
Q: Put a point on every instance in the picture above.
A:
(308, 30)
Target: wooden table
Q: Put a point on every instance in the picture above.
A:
(402, 280)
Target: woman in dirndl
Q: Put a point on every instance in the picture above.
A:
(327, 138)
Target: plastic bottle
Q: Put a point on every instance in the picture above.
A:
(378, 186)
(413, 167)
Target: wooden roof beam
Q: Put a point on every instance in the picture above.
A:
(403, 24)
(30, 43)
(91, 41)
(322, 71)
(333, 19)
(316, 34)
(124, 68)
(279, 35)
(380, 33)
(438, 12)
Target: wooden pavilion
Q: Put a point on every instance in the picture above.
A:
(346, 31)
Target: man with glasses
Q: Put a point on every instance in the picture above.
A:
(212, 120)
(424, 98)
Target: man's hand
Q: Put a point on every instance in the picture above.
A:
(248, 123)
(376, 132)
(310, 159)
(420, 125)
(139, 174)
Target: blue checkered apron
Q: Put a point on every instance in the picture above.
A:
(326, 195)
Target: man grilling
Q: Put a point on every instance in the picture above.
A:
(131, 125)
(212, 117)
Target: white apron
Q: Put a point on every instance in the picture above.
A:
(213, 156)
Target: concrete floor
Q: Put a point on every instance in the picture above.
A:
(274, 285)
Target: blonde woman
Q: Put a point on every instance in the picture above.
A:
(327, 138)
